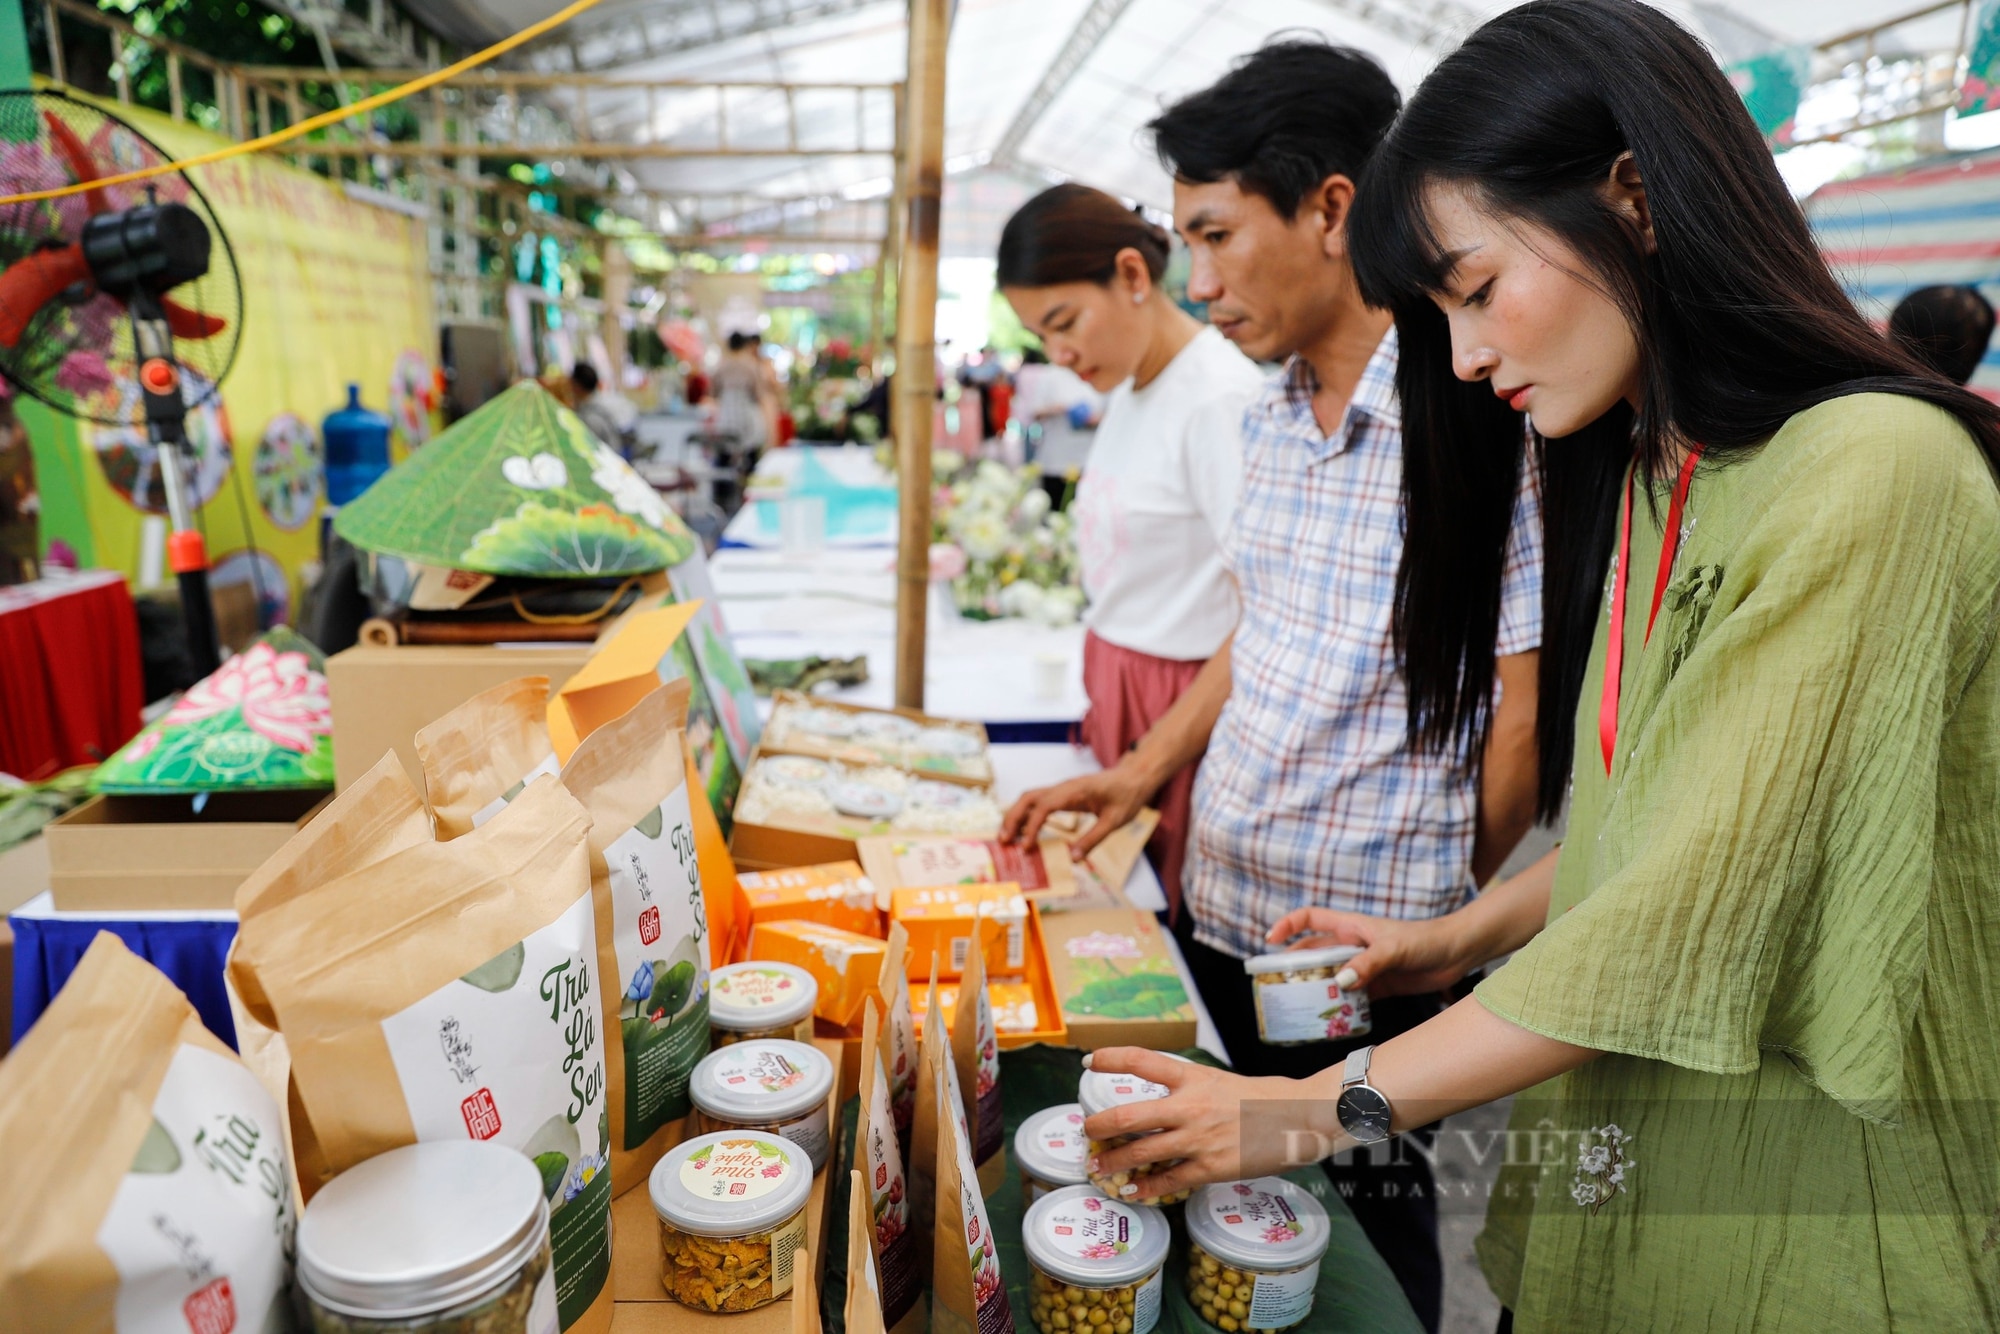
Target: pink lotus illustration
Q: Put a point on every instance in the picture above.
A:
(1102, 1250)
(1279, 1233)
(282, 698)
(774, 1170)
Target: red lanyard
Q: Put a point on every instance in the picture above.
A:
(1614, 649)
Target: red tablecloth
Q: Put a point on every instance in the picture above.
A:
(71, 681)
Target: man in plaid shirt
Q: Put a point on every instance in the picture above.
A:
(1310, 793)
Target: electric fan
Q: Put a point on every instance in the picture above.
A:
(120, 306)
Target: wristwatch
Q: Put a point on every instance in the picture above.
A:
(1363, 1111)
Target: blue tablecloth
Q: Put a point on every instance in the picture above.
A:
(190, 950)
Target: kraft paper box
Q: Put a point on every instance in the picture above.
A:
(381, 697)
(836, 894)
(943, 920)
(640, 1302)
(768, 835)
(952, 749)
(914, 861)
(130, 853)
(1115, 979)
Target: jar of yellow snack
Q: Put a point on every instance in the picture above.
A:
(1095, 1263)
(1098, 1092)
(1050, 1149)
(732, 1211)
(1253, 1254)
(772, 1085)
(760, 1000)
(1299, 998)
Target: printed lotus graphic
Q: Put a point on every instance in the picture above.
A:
(1277, 1234)
(1111, 994)
(500, 972)
(593, 540)
(158, 1155)
(1102, 1250)
(664, 1004)
(774, 1170)
(553, 1149)
(261, 721)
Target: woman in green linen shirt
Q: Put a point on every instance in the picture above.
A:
(1756, 996)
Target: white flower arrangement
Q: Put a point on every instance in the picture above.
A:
(1018, 553)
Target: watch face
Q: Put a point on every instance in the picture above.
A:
(1364, 1114)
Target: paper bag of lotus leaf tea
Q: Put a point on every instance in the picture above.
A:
(975, 1050)
(652, 933)
(484, 752)
(379, 813)
(864, 1285)
(880, 1156)
(449, 991)
(144, 1183)
(899, 1037)
(933, 1054)
(967, 1293)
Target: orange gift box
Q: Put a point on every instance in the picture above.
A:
(846, 964)
(836, 895)
(942, 920)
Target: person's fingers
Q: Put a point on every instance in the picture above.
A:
(1366, 966)
(1184, 1175)
(1143, 1062)
(1318, 920)
(1017, 815)
(1108, 822)
(1141, 1153)
(1040, 806)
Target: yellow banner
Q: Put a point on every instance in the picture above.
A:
(336, 290)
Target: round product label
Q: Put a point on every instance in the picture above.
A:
(1092, 1230)
(941, 796)
(1062, 1138)
(754, 988)
(758, 1070)
(947, 741)
(1257, 1218)
(794, 769)
(736, 1169)
(853, 797)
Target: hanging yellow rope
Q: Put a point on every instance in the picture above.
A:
(321, 121)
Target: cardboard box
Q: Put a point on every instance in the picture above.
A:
(975, 767)
(119, 854)
(803, 839)
(1115, 980)
(24, 874)
(847, 965)
(944, 920)
(381, 696)
(640, 1304)
(836, 894)
(911, 861)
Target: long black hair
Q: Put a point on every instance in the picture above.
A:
(1739, 324)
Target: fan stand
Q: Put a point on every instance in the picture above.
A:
(166, 426)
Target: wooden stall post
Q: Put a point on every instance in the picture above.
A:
(916, 336)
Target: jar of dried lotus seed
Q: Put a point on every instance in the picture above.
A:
(772, 1085)
(1051, 1150)
(444, 1237)
(1299, 999)
(1253, 1254)
(1098, 1092)
(760, 1000)
(732, 1211)
(1095, 1263)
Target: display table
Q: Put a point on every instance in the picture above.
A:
(191, 947)
(71, 679)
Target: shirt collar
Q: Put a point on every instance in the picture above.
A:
(1288, 401)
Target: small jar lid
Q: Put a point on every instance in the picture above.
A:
(947, 741)
(745, 997)
(730, 1184)
(1050, 1145)
(1292, 961)
(1076, 1235)
(764, 1079)
(794, 770)
(421, 1229)
(834, 723)
(1268, 1224)
(943, 796)
(863, 799)
(884, 727)
(1100, 1091)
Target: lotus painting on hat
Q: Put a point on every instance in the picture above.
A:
(518, 488)
(260, 722)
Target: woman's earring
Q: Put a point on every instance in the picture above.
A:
(1138, 298)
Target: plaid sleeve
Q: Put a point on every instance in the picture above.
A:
(1521, 577)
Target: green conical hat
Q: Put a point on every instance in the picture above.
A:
(261, 722)
(520, 487)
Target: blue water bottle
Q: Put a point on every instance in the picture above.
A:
(357, 448)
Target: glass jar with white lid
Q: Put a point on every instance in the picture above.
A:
(1099, 1091)
(732, 1214)
(1253, 1254)
(1051, 1150)
(772, 1085)
(447, 1237)
(1096, 1263)
(1299, 999)
(760, 1000)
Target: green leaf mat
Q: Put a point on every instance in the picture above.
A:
(518, 488)
(1357, 1293)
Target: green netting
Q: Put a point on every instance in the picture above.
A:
(1356, 1290)
(260, 723)
(518, 488)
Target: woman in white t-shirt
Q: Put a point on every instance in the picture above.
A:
(1159, 488)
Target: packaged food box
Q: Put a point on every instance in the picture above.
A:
(836, 894)
(1115, 979)
(1014, 1005)
(1043, 871)
(846, 965)
(947, 748)
(798, 810)
(944, 920)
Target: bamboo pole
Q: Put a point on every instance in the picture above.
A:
(916, 335)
